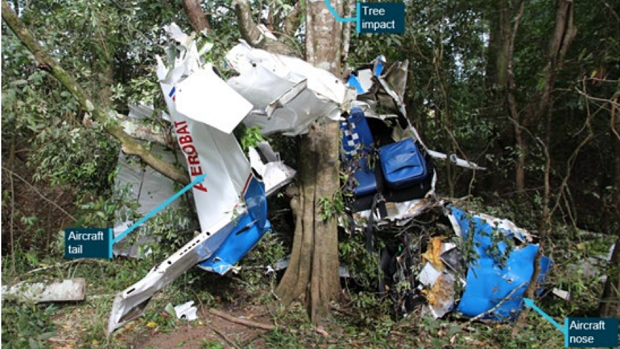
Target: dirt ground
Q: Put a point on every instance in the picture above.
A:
(211, 330)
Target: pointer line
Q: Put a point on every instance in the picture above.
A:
(198, 179)
(530, 303)
(338, 18)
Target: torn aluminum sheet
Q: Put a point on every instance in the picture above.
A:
(207, 149)
(498, 275)
(288, 94)
(248, 230)
(424, 264)
(205, 97)
(274, 173)
(69, 290)
(148, 187)
(400, 213)
(440, 295)
(130, 303)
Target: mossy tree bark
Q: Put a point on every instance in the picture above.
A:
(49, 64)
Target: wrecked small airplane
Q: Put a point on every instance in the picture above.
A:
(392, 178)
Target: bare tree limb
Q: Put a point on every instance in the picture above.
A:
(293, 20)
(39, 193)
(49, 64)
(245, 322)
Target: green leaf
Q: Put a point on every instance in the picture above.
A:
(170, 310)
(33, 343)
(18, 83)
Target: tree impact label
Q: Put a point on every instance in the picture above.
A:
(375, 17)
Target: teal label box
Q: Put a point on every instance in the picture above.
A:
(591, 332)
(381, 17)
(88, 243)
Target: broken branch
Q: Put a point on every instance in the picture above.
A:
(478, 317)
(250, 32)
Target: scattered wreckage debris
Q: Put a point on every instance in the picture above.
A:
(69, 290)
(390, 181)
(447, 260)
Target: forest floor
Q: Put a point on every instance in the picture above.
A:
(32, 251)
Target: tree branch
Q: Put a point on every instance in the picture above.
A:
(49, 64)
(196, 15)
(250, 32)
(293, 20)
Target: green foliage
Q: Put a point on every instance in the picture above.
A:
(26, 325)
(210, 345)
(78, 157)
(331, 207)
(362, 265)
(251, 137)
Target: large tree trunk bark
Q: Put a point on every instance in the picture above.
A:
(49, 64)
(312, 273)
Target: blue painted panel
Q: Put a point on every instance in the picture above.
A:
(248, 230)
(489, 281)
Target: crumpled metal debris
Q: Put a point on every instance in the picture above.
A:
(288, 94)
(499, 270)
(490, 263)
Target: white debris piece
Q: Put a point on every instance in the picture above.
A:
(41, 292)
(206, 98)
(288, 94)
(186, 310)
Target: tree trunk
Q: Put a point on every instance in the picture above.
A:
(196, 15)
(499, 37)
(496, 81)
(538, 106)
(49, 64)
(610, 301)
(312, 273)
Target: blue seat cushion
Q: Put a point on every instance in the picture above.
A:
(366, 182)
(357, 144)
(403, 164)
